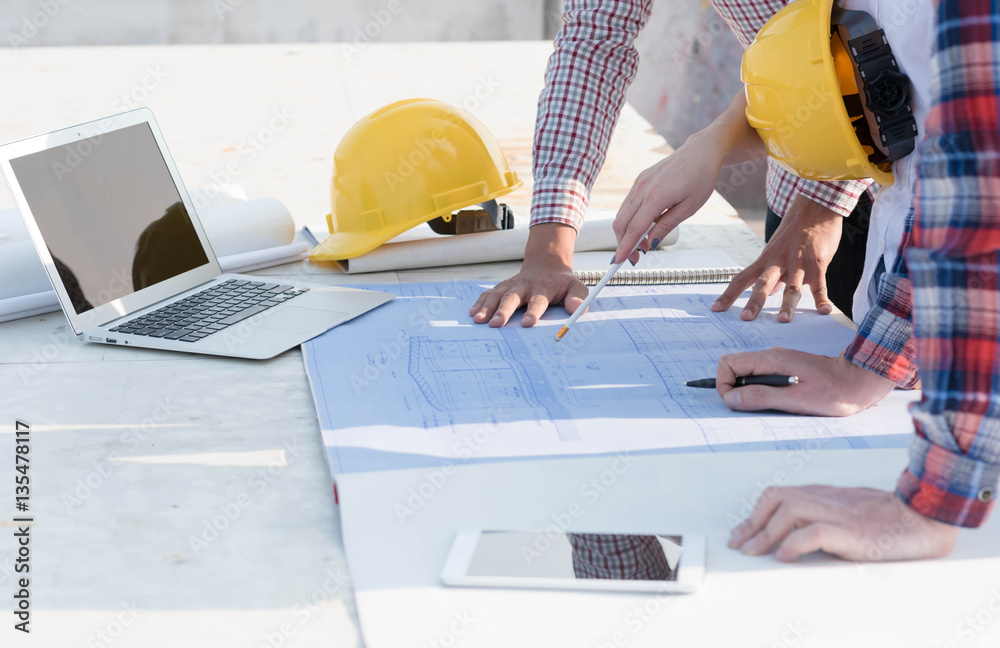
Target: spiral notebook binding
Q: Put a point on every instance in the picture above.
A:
(661, 276)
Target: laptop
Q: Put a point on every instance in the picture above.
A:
(128, 258)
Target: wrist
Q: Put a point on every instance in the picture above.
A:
(550, 243)
(810, 212)
(873, 386)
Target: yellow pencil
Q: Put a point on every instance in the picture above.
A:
(600, 284)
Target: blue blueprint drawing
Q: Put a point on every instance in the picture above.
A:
(416, 383)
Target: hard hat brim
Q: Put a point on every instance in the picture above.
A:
(347, 245)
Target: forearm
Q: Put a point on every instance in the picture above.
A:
(593, 63)
(954, 263)
(730, 136)
(955, 459)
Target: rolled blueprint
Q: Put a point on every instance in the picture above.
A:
(422, 248)
(21, 271)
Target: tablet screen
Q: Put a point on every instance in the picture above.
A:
(576, 556)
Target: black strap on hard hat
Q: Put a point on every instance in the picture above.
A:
(491, 217)
(886, 90)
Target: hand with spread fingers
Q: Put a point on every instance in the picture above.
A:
(546, 277)
(797, 254)
(827, 386)
(860, 524)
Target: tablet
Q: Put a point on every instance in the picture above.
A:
(673, 563)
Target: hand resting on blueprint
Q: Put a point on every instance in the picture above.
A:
(861, 524)
(827, 386)
(798, 254)
(546, 277)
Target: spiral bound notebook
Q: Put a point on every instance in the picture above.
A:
(660, 267)
(640, 277)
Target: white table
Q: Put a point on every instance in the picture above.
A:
(138, 454)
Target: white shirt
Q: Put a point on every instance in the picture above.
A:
(908, 25)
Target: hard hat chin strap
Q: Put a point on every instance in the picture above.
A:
(492, 217)
(885, 97)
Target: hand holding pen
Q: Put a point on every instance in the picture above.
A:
(742, 381)
(827, 386)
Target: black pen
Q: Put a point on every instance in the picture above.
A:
(741, 381)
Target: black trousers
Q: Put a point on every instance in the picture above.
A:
(844, 272)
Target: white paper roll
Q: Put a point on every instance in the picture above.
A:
(12, 227)
(238, 227)
(419, 249)
(21, 271)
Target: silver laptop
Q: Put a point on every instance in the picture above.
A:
(129, 260)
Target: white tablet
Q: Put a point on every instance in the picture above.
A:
(673, 563)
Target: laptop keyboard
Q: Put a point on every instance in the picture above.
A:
(212, 310)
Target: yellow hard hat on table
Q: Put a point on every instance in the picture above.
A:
(403, 165)
(825, 95)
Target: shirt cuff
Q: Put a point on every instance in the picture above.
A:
(559, 200)
(947, 485)
(884, 343)
(885, 346)
(840, 197)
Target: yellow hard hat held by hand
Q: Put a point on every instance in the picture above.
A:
(825, 94)
(405, 164)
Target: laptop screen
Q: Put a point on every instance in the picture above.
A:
(110, 215)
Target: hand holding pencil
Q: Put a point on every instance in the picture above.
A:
(600, 284)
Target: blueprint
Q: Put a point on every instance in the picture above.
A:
(417, 383)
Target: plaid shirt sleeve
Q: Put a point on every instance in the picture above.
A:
(745, 18)
(782, 185)
(954, 263)
(884, 343)
(585, 82)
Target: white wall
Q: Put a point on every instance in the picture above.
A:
(119, 22)
(688, 71)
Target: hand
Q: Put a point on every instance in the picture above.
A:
(827, 386)
(798, 253)
(675, 188)
(678, 185)
(546, 277)
(861, 524)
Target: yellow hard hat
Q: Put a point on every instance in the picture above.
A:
(403, 165)
(820, 81)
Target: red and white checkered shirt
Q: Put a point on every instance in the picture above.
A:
(585, 82)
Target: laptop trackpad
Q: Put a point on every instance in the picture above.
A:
(302, 320)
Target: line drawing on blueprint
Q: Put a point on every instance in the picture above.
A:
(479, 376)
(416, 380)
(526, 377)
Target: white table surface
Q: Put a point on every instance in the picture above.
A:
(136, 452)
(817, 601)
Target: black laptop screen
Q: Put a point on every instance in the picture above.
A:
(110, 215)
